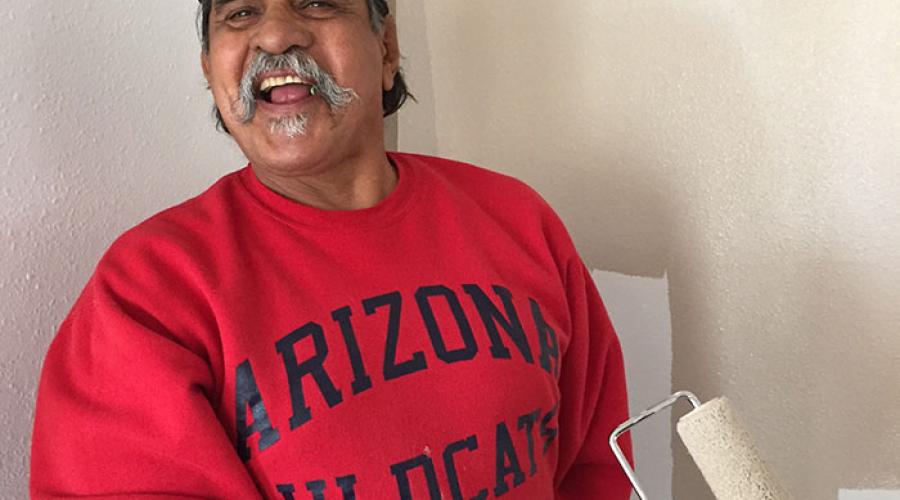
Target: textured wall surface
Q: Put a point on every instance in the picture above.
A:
(749, 150)
(104, 119)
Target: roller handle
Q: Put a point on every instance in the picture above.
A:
(628, 424)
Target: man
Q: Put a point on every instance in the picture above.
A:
(332, 321)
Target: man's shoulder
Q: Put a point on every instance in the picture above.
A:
(476, 181)
(512, 203)
(458, 169)
(183, 228)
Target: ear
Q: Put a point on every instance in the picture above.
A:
(390, 50)
(204, 63)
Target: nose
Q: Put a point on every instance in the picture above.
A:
(280, 29)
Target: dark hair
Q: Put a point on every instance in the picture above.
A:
(392, 99)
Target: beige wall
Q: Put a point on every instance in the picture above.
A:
(748, 149)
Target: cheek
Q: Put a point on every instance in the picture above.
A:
(224, 80)
(225, 94)
(369, 83)
(361, 68)
(226, 66)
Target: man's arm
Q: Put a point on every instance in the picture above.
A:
(124, 406)
(594, 399)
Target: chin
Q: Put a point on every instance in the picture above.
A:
(325, 141)
(281, 153)
(289, 154)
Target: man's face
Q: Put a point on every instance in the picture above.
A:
(288, 128)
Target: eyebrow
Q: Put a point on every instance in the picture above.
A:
(221, 3)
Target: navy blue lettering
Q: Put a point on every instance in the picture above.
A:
(361, 379)
(317, 488)
(507, 462)
(246, 394)
(491, 317)
(547, 432)
(347, 485)
(470, 444)
(286, 490)
(527, 421)
(401, 473)
(392, 369)
(548, 342)
(313, 366)
(470, 348)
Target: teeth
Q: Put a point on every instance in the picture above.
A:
(278, 81)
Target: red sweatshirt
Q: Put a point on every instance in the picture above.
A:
(446, 343)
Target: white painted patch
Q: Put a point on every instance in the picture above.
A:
(869, 495)
(639, 310)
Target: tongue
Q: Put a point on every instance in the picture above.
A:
(288, 94)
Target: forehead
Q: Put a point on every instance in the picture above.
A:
(216, 4)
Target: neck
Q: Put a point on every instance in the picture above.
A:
(351, 185)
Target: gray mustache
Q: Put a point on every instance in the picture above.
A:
(298, 62)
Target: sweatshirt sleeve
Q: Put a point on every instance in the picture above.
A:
(594, 401)
(124, 404)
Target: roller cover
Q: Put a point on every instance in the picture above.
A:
(725, 454)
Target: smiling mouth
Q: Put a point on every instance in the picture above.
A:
(282, 89)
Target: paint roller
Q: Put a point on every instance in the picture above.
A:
(719, 445)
